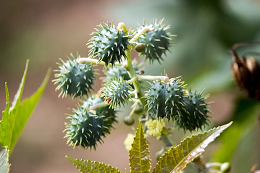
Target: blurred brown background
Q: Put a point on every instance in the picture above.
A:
(44, 31)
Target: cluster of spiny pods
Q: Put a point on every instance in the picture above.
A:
(164, 98)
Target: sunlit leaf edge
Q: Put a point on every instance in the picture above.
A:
(172, 161)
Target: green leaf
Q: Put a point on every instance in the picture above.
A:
(244, 116)
(176, 158)
(5, 138)
(4, 165)
(18, 95)
(15, 118)
(139, 155)
(87, 166)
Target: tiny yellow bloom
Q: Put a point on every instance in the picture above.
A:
(155, 127)
(128, 141)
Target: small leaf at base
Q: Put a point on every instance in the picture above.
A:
(87, 166)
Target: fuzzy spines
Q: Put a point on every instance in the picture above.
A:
(156, 42)
(74, 79)
(116, 92)
(165, 99)
(108, 113)
(88, 127)
(194, 113)
(85, 129)
(108, 44)
(116, 71)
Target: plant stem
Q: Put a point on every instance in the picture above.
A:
(144, 30)
(200, 164)
(139, 94)
(148, 77)
(94, 61)
(166, 140)
(98, 105)
(131, 80)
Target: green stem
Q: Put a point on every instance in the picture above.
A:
(98, 105)
(144, 30)
(200, 164)
(166, 140)
(94, 61)
(130, 68)
(133, 109)
(148, 77)
(132, 80)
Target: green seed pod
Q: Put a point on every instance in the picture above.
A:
(116, 71)
(165, 99)
(108, 44)
(156, 42)
(116, 92)
(108, 114)
(139, 109)
(128, 120)
(85, 129)
(73, 78)
(194, 113)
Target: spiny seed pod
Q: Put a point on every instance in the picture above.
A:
(116, 92)
(156, 42)
(194, 114)
(85, 128)
(116, 71)
(165, 99)
(73, 78)
(108, 114)
(108, 44)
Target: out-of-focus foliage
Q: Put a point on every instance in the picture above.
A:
(16, 116)
(206, 30)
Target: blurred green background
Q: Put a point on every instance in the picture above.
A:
(44, 31)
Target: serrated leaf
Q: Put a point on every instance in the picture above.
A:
(15, 118)
(4, 165)
(87, 166)
(139, 155)
(244, 116)
(176, 158)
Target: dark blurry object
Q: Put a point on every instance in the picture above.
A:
(246, 71)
